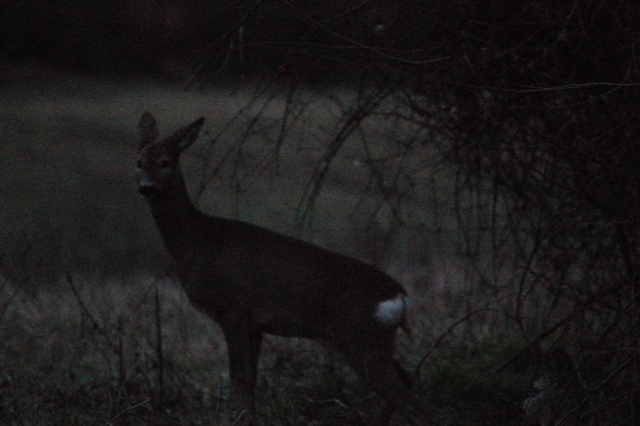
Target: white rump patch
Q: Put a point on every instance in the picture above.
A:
(389, 312)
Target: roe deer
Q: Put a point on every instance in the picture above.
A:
(252, 281)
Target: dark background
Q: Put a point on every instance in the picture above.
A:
(530, 106)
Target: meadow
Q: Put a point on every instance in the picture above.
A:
(94, 328)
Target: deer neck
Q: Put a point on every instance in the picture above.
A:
(174, 213)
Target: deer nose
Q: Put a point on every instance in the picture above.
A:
(147, 190)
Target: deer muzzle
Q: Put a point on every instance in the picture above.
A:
(147, 190)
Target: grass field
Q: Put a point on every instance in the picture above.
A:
(85, 289)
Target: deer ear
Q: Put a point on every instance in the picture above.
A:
(184, 137)
(147, 130)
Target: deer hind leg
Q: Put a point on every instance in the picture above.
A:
(243, 346)
(373, 359)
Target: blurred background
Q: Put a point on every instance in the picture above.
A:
(485, 154)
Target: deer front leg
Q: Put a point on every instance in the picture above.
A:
(243, 346)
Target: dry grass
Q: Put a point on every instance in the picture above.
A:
(85, 351)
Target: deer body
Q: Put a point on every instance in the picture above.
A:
(252, 281)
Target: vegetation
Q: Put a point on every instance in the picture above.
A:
(484, 154)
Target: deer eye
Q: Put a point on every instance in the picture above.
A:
(139, 164)
(165, 164)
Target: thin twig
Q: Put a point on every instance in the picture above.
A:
(125, 410)
(328, 401)
(159, 349)
(240, 417)
(446, 333)
(85, 311)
